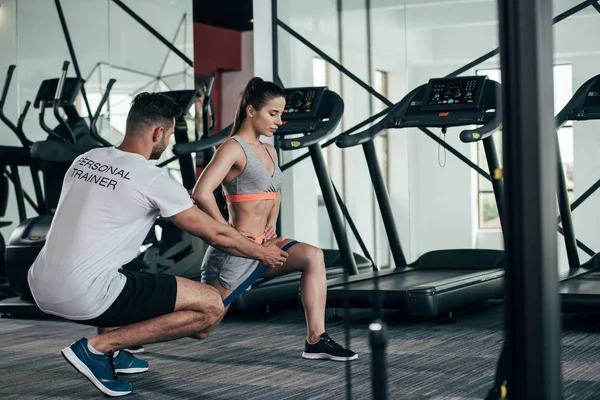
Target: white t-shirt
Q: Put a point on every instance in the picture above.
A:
(109, 201)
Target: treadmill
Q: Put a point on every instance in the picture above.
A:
(580, 285)
(311, 114)
(443, 280)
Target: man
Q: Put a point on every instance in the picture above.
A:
(110, 199)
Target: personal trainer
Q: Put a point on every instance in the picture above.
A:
(110, 199)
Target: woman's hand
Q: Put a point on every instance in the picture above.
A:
(270, 232)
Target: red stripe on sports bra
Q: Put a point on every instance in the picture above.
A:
(239, 198)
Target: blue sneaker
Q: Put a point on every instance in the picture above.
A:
(125, 363)
(97, 369)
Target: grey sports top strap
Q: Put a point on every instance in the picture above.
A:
(255, 178)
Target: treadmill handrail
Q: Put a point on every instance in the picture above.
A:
(482, 132)
(328, 127)
(576, 101)
(182, 149)
(372, 132)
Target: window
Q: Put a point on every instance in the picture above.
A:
(563, 91)
(381, 142)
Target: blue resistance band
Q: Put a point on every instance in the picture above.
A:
(251, 279)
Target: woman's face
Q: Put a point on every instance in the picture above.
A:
(268, 119)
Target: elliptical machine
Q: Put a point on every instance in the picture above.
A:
(28, 238)
(11, 158)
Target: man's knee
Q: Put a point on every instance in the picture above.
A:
(214, 307)
(201, 335)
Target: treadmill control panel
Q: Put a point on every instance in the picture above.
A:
(302, 102)
(47, 91)
(453, 93)
(592, 99)
(588, 106)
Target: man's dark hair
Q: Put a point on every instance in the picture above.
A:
(151, 109)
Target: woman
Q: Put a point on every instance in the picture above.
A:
(249, 173)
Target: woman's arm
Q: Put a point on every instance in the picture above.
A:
(215, 172)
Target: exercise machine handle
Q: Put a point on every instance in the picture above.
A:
(182, 149)
(208, 106)
(361, 137)
(371, 133)
(24, 141)
(483, 132)
(9, 74)
(46, 127)
(96, 117)
(57, 101)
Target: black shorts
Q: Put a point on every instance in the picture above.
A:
(145, 296)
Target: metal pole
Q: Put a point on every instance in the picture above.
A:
(65, 29)
(491, 155)
(19, 193)
(385, 206)
(332, 209)
(532, 293)
(154, 32)
(565, 213)
(275, 68)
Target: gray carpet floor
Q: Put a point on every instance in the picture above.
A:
(258, 357)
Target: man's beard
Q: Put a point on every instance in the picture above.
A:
(158, 150)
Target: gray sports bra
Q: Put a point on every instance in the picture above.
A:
(255, 182)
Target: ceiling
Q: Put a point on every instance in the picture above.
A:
(229, 14)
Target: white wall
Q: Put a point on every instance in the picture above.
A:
(31, 37)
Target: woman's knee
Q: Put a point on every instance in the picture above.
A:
(315, 257)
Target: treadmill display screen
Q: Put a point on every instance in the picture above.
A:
(453, 93)
(302, 102)
(592, 100)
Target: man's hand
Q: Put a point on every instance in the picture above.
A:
(270, 232)
(273, 255)
(249, 235)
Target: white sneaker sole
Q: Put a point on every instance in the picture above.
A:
(131, 370)
(85, 371)
(136, 351)
(325, 356)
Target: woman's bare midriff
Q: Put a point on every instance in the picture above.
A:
(251, 216)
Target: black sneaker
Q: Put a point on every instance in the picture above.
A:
(327, 349)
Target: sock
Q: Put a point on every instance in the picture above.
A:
(93, 350)
(318, 340)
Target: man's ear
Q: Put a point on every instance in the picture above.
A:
(157, 134)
